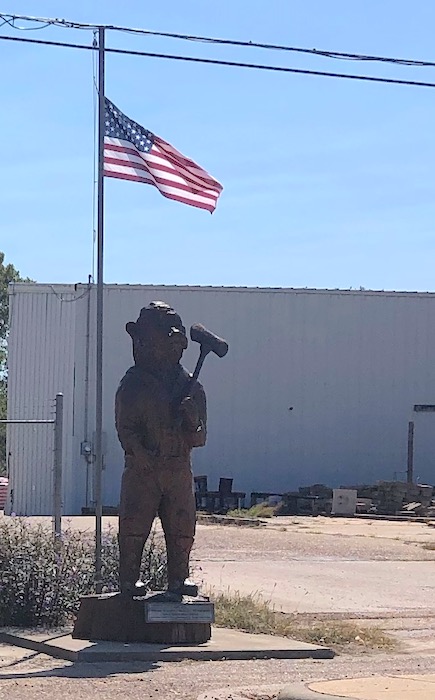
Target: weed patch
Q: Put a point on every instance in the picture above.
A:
(261, 510)
(253, 614)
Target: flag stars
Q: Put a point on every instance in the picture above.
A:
(117, 125)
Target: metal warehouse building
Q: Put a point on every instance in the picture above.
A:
(318, 386)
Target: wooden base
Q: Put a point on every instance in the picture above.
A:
(114, 617)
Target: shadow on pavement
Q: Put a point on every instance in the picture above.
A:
(78, 669)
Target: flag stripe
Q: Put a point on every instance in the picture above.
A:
(158, 160)
(167, 189)
(140, 160)
(133, 153)
(164, 189)
(181, 161)
(141, 170)
(177, 197)
(162, 173)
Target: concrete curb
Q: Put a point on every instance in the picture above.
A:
(299, 691)
(225, 645)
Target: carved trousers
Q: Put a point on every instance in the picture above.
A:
(146, 492)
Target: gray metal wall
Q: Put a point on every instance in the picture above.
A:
(349, 365)
(40, 364)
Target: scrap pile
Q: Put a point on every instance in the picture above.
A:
(396, 498)
(383, 498)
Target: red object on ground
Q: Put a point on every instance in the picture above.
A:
(3, 491)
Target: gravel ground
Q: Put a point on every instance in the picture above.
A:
(42, 677)
(25, 675)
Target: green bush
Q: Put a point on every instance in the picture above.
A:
(41, 580)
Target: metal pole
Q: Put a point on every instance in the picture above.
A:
(99, 358)
(89, 464)
(410, 465)
(12, 421)
(57, 474)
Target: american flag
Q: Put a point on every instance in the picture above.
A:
(133, 153)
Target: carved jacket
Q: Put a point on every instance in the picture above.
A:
(152, 430)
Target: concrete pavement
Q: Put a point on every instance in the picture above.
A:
(412, 687)
(312, 586)
(224, 644)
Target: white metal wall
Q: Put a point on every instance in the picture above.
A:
(40, 364)
(349, 365)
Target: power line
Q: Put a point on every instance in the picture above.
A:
(10, 19)
(65, 44)
(233, 64)
(280, 47)
(279, 69)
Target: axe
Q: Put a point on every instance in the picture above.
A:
(209, 342)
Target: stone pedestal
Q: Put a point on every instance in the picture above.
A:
(115, 617)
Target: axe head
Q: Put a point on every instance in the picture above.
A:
(208, 340)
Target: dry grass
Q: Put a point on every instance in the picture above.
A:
(261, 510)
(253, 614)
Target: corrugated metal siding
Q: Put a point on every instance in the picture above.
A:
(84, 411)
(350, 365)
(41, 363)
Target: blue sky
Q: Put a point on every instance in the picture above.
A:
(327, 183)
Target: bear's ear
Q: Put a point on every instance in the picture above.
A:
(130, 327)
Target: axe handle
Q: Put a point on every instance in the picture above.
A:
(202, 355)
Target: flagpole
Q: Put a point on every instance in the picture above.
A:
(99, 344)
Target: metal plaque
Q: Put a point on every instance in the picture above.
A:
(179, 612)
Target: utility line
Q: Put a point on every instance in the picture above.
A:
(10, 19)
(65, 44)
(233, 64)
